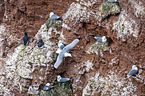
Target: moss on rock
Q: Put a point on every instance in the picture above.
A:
(106, 9)
(25, 60)
(109, 85)
(98, 48)
(139, 8)
(126, 26)
(59, 89)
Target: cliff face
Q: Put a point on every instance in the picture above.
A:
(93, 65)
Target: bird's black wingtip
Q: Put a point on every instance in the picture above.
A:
(79, 38)
(54, 68)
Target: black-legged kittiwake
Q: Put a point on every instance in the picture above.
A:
(40, 43)
(64, 50)
(101, 39)
(47, 87)
(54, 16)
(113, 0)
(60, 79)
(25, 39)
(54, 21)
(133, 71)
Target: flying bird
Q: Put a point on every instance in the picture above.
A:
(25, 38)
(60, 79)
(133, 71)
(40, 43)
(62, 53)
(101, 39)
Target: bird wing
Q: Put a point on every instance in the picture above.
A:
(64, 79)
(46, 87)
(55, 17)
(98, 38)
(71, 45)
(59, 59)
(132, 72)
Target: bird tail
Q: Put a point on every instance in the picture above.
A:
(98, 38)
(128, 76)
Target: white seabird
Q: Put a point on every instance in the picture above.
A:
(47, 87)
(101, 39)
(54, 16)
(64, 50)
(60, 79)
(133, 71)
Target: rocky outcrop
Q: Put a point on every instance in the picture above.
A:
(27, 69)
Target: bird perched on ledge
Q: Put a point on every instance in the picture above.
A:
(40, 43)
(25, 39)
(54, 16)
(101, 39)
(47, 87)
(54, 21)
(133, 71)
(60, 79)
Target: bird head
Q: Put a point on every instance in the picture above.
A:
(51, 13)
(104, 39)
(134, 67)
(48, 84)
(58, 78)
(25, 33)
